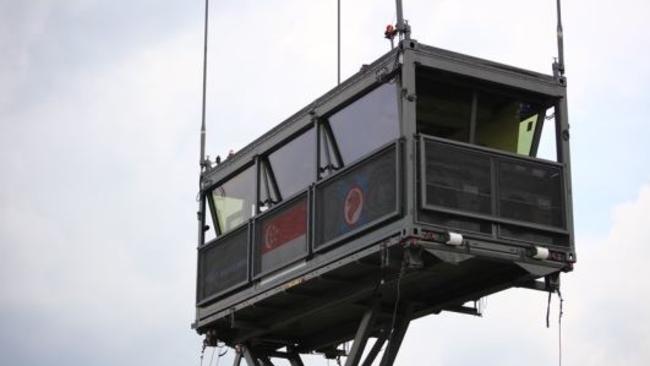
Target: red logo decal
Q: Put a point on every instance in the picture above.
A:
(353, 205)
(284, 227)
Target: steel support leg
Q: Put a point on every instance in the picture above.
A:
(265, 360)
(295, 360)
(263, 357)
(395, 339)
(252, 359)
(237, 361)
(248, 356)
(374, 351)
(361, 338)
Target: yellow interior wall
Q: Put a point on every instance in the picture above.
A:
(525, 141)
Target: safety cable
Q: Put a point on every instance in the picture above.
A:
(221, 354)
(548, 309)
(559, 321)
(202, 353)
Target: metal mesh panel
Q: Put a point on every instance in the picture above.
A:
(223, 264)
(281, 237)
(530, 192)
(456, 222)
(532, 236)
(360, 196)
(456, 178)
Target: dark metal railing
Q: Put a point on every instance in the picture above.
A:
(346, 204)
(515, 195)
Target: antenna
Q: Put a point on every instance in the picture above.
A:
(402, 26)
(338, 35)
(202, 162)
(558, 65)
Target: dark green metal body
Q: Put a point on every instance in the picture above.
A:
(398, 262)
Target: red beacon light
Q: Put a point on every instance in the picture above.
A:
(390, 32)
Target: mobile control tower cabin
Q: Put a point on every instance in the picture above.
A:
(424, 182)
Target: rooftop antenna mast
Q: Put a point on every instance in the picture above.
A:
(203, 163)
(403, 28)
(338, 39)
(558, 65)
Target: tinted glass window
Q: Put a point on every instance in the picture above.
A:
(293, 164)
(367, 123)
(234, 201)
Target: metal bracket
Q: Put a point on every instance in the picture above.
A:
(551, 283)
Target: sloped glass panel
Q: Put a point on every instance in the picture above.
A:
(293, 164)
(367, 124)
(234, 200)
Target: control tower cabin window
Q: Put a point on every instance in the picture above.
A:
(234, 200)
(287, 170)
(360, 127)
(484, 115)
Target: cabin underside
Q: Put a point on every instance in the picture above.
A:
(408, 278)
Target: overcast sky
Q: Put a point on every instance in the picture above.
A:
(99, 121)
